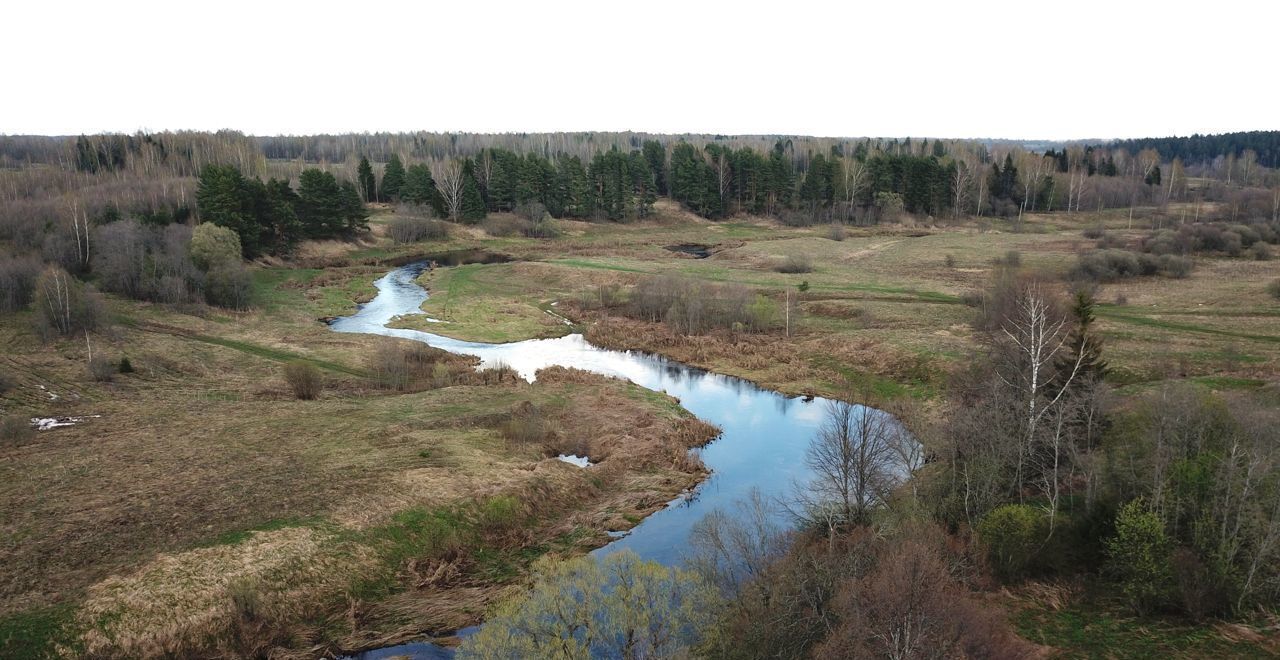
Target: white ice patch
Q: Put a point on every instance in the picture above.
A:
(50, 423)
(557, 316)
(574, 459)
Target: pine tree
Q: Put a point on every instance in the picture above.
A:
(393, 179)
(368, 182)
(223, 197)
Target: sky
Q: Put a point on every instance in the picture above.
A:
(960, 69)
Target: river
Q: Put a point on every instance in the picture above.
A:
(765, 434)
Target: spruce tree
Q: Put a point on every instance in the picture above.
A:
(1083, 345)
(368, 182)
(351, 209)
(473, 206)
(393, 179)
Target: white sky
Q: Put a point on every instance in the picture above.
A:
(966, 68)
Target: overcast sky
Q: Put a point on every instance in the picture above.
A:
(1019, 69)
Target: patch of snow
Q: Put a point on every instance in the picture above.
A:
(52, 396)
(574, 459)
(557, 316)
(50, 423)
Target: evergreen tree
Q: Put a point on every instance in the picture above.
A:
(393, 179)
(656, 155)
(351, 209)
(420, 188)
(1084, 345)
(473, 205)
(321, 204)
(368, 182)
(222, 197)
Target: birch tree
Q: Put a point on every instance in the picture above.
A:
(448, 177)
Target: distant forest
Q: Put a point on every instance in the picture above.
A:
(276, 190)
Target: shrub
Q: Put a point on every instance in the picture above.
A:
(836, 232)
(1095, 232)
(213, 246)
(1013, 534)
(412, 230)
(17, 282)
(950, 261)
(1012, 259)
(1175, 266)
(126, 367)
(402, 367)
(229, 285)
(544, 228)
(101, 369)
(796, 263)
(527, 424)
(1138, 556)
(15, 430)
(505, 225)
(1273, 288)
(65, 306)
(304, 379)
(1260, 251)
(7, 382)
(531, 211)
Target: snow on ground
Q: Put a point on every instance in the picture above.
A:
(580, 461)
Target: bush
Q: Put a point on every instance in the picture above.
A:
(213, 246)
(950, 261)
(17, 282)
(1012, 259)
(304, 379)
(1109, 265)
(229, 285)
(1274, 288)
(544, 228)
(1172, 265)
(1260, 251)
(1138, 556)
(126, 367)
(412, 230)
(836, 232)
(527, 424)
(1095, 232)
(402, 367)
(101, 369)
(7, 382)
(505, 225)
(531, 211)
(15, 430)
(796, 263)
(65, 306)
(1013, 534)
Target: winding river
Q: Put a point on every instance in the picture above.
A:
(762, 447)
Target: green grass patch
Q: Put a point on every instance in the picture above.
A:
(1093, 632)
(37, 632)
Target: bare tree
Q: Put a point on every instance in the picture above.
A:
(448, 178)
(852, 459)
(1035, 337)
